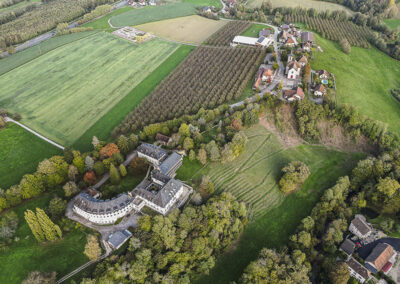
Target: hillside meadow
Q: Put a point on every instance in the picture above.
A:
(152, 14)
(191, 29)
(253, 178)
(102, 23)
(20, 153)
(73, 86)
(364, 79)
(318, 5)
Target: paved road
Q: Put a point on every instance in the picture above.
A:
(7, 119)
(364, 251)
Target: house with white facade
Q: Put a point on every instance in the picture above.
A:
(360, 227)
(153, 154)
(293, 70)
(319, 90)
(357, 270)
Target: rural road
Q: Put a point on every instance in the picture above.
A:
(7, 119)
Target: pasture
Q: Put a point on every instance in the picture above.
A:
(27, 254)
(253, 178)
(393, 23)
(192, 29)
(216, 3)
(152, 14)
(254, 30)
(102, 23)
(103, 127)
(20, 153)
(317, 5)
(64, 92)
(364, 79)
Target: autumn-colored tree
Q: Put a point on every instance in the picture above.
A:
(202, 156)
(108, 150)
(138, 166)
(90, 177)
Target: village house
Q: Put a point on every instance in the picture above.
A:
(319, 90)
(264, 74)
(207, 9)
(293, 70)
(307, 47)
(162, 139)
(284, 37)
(290, 42)
(323, 74)
(357, 270)
(302, 60)
(347, 247)
(264, 33)
(360, 227)
(285, 27)
(307, 37)
(294, 94)
(380, 258)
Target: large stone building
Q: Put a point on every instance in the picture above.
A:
(160, 192)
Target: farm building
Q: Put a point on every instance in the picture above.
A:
(307, 37)
(380, 258)
(252, 41)
(357, 270)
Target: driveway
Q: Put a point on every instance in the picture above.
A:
(364, 251)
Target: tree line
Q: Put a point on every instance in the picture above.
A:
(8, 3)
(225, 35)
(44, 18)
(8, 16)
(208, 77)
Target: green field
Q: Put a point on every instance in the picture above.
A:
(27, 254)
(216, 3)
(102, 23)
(393, 23)
(64, 92)
(318, 5)
(33, 52)
(255, 29)
(274, 216)
(364, 80)
(103, 127)
(20, 153)
(152, 14)
(20, 4)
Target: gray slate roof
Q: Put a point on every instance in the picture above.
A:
(307, 37)
(264, 33)
(170, 162)
(361, 225)
(118, 238)
(152, 151)
(96, 206)
(358, 267)
(348, 246)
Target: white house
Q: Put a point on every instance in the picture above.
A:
(360, 227)
(293, 70)
(323, 74)
(319, 90)
(357, 270)
(153, 154)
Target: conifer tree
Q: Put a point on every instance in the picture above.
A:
(123, 144)
(122, 170)
(115, 178)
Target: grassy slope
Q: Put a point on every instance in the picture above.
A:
(255, 29)
(364, 79)
(20, 153)
(27, 255)
(392, 23)
(318, 5)
(31, 53)
(102, 23)
(103, 127)
(71, 87)
(152, 14)
(279, 220)
(216, 3)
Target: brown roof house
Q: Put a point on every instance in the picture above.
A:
(323, 74)
(293, 70)
(302, 60)
(291, 41)
(284, 36)
(347, 247)
(264, 74)
(307, 37)
(294, 94)
(307, 46)
(360, 227)
(163, 139)
(379, 257)
(357, 270)
(319, 90)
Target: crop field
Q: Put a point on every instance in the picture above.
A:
(33, 52)
(364, 79)
(274, 216)
(26, 254)
(191, 29)
(73, 86)
(225, 35)
(152, 14)
(254, 30)
(318, 5)
(20, 153)
(223, 74)
(103, 127)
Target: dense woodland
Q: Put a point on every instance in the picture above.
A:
(7, 3)
(225, 35)
(208, 77)
(370, 7)
(8, 16)
(44, 18)
(177, 248)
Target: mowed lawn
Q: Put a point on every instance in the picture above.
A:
(317, 5)
(102, 23)
(254, 30)
(26, 255)
(64, 92)
(153, 13)
(364, 80)
(20, 153)
(253, 178)
(103, 127)
(191, 29)
(394, 24)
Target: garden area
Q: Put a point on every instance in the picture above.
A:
(62, 106)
